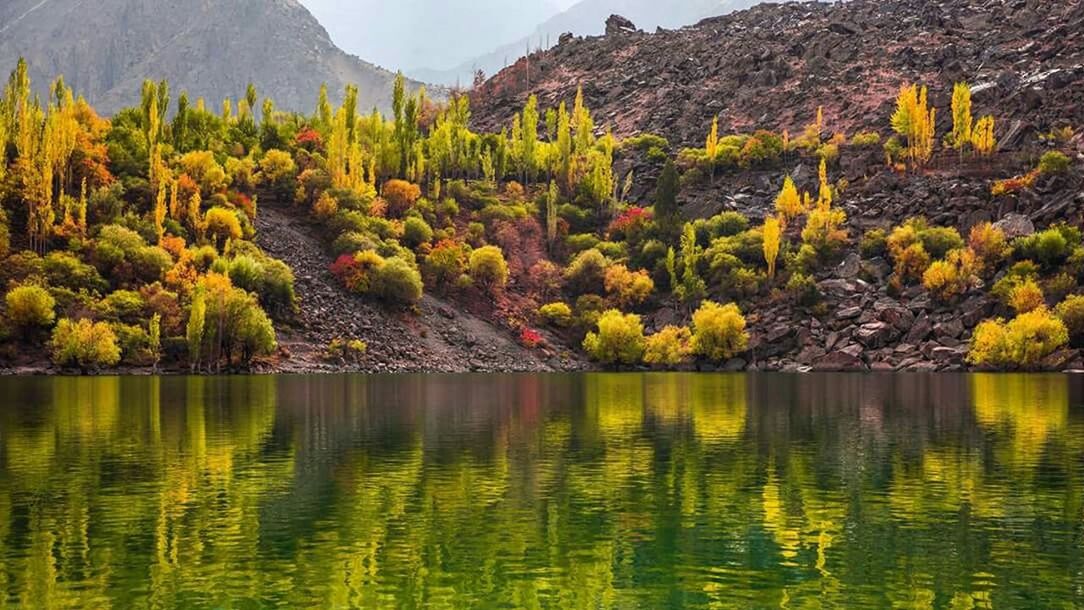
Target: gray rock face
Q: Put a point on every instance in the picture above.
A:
(617, 24)
(1015, 225)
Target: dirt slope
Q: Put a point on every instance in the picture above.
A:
(438, 337)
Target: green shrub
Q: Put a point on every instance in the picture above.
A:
(1049, 248)
(803, 289)
(1054, 162)
(416, 232)
(939, 241)
(488, 268)
(866, 138)
(580, 242)
(86, 344)
(122, 306)
(586, 272)
(64, 269)
(396, 282)
(719, 331)
(1071, 312)
(556, 314)
(874, 244)
(619, 339)
(30, 307)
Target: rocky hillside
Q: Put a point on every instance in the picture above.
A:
(771, 66)
(211, 48)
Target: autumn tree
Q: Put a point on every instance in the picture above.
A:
(982, 138)
(788, 204)
(667, 212)
(712, 146)
(915, 121)
(772, 237)
(961, 117)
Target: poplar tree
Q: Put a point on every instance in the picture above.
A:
(915, 121)
(529, 138)
(961, 117)
(982, 138)
(772, 236)
(712, 146)
(323, 110)
(667, 212)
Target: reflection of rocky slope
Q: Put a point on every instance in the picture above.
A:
(772, 65)
(212, 48)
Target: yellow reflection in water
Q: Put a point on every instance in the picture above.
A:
(1030, 408)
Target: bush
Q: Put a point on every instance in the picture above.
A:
(86, 344)
(866, 138)
(223, 224)
(912, 262)
(824, 230)
(939, 241)
(1054, 162)
(416, 232)
(1023, 342)
(63, 269)
(628, 288)
(277, 168)
(396, 282)
(874, 244)
(1071, 312)
(989, 244)
(1049, 248)
(951, 277)
(589, 308)
(620, 339)
(719, 331)
(401, 196)
(446, 262)
(1026, 296)
(488, 268)
(122, 306)
(30, 307)
(670, 346)
(803, 289)
(556, 314)
(346, 350)
(586, 272)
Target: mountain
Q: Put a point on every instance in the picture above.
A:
(585, 18)
(425, 33)
(773, 65)
(211, 48)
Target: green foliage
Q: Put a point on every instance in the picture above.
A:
(719, 331)
(1054, 162)
(556, 314)
(874, 244)
(1071, 312)
(618, 340)
(586, 273)
(866, 139)
(396, 282)
(803, 289)
(488, 268)
(85, 344)
(416, 232)
(1049, 248)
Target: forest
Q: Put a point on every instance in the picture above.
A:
(129, 241)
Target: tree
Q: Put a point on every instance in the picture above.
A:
(788, 203)
(223, 225)
(30, 307)
(915, 121)
(712, 146)
(551, 214)
(618, 340)
(719, 331)
(83, 343)
(961, 117)
(982, 138)
(772, 236)
(628, 288)
(194, 330)
(670, 346)
(529, 133)
(692, 285)
(667, 212)
(488, 268)
(160, 215)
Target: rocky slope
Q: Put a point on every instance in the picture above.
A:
(211, 48)
(437, 338)
(771, 66)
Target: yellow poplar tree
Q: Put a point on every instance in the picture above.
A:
(788, 203)
(961, 116)
(712, 145)
(915, 121)
(160, 214)
(773, 232)
(982, 138)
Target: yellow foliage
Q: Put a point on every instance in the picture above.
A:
(772, 237)
(719, 331)
(1024, 341)
(917, 122)
(627, 287)
(620, 339)
(1026, 297)
(982, 137)
(788, 204)
(670, 346)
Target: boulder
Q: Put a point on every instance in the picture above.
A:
(1015, 225)
(617, 24)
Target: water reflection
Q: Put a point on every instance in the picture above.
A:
(652, 491)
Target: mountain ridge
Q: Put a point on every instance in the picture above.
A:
(109, 47)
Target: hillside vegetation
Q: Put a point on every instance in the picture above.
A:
(129, 241)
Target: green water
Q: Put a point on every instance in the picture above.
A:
(593, 491)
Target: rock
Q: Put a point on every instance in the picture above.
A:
(1059, 360)
(850, 267)
(839, 361)
(874, 335)
(617, 24)
(1015, 225)
(952, 328)
(848, 313)
(734, 365)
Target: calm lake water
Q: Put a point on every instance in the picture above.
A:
(574, 491)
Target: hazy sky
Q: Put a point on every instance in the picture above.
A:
(409, 34)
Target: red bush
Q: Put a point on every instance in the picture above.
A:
(530, 338)
(630, 222)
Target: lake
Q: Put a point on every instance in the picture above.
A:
(536, 491)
